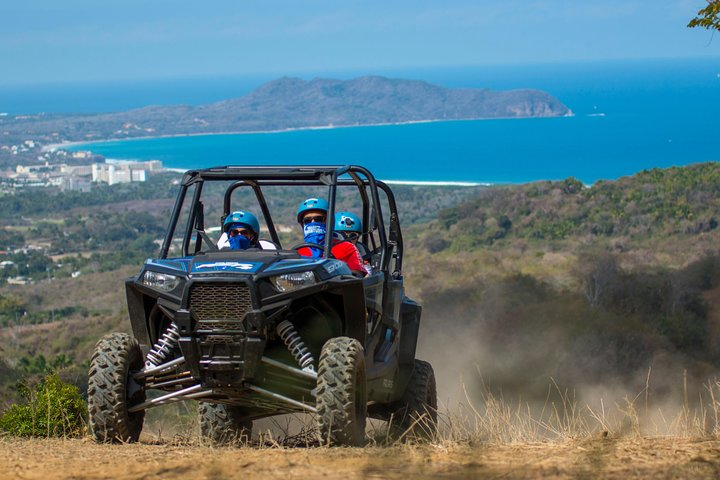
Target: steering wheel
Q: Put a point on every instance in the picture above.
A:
(308, 245)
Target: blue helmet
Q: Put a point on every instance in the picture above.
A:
(347, 222)
(319, 204)
(245, 218)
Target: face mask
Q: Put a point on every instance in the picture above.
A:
(238, 242)
(314, 232)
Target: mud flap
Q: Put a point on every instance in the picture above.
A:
(410, 313)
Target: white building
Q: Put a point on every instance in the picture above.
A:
(112, 172)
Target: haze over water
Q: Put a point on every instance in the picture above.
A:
(629, 116)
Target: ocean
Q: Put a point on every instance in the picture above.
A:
(628, 116)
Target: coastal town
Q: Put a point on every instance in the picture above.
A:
(36, 155)
(41, 165)
(37, 171)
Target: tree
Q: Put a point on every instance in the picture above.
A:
(598, 284)
(708, 17)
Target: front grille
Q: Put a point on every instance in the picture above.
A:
(219, 326)
(220, 301)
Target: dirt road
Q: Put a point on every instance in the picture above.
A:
(606, 458)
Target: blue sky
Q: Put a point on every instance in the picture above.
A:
(46, 41)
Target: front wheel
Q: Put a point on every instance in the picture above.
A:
(112, 390)
(342, 393)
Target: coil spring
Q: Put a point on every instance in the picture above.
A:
(162, 348)
(294, 343)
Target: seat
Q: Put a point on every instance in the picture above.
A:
(268, 245)
(224, 244)
(364, 251)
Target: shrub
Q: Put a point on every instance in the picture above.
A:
(435, 244)
(54, 408)
(571, 186)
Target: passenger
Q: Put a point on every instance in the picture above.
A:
(312, 216)
(240, 231)
(349, 226)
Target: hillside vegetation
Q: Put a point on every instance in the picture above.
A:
(595, 287)
(47, 233)
(607, 291)
(648, 206)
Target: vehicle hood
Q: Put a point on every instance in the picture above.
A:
(245, 263)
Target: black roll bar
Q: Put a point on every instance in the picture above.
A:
(258, 176)
(174, 217)
(394, 227)
(191, 219)
(261, 201)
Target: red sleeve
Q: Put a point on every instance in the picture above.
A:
(348, 253)
(305, 252)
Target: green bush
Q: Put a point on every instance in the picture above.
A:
(53, 409)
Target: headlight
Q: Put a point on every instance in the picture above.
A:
(293, 281)
(160, 281)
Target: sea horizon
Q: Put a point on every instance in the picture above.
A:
(105, 96)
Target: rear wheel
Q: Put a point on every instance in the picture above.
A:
(415, 415)
(342, 393)
(112, 390)
(223, 424)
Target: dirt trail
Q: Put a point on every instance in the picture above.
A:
(645, 458)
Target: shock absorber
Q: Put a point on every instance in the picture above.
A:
(294, 343)
(162, 348)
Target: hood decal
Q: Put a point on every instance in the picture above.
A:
(176, 264)
(293, 263)
(247, 267)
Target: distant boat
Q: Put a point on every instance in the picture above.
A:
(596, 114)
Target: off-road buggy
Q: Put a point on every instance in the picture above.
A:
(264, 331)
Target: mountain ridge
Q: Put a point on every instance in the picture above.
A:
(292, 103)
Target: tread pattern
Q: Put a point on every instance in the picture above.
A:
(417, 409)
(342, 393)
(223, 424)
(115, 355)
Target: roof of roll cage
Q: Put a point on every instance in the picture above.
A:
(257, 177)
(319, 173)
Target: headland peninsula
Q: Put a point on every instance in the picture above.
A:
(283, 104)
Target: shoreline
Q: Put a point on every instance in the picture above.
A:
(56, 146)
(436, 183)
(418, 183)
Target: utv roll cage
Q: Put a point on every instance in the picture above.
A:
(389, 244)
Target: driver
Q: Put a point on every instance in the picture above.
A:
(240, 231)
(312, 216)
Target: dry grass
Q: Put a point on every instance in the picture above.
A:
(493, 419)
(486, 437)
